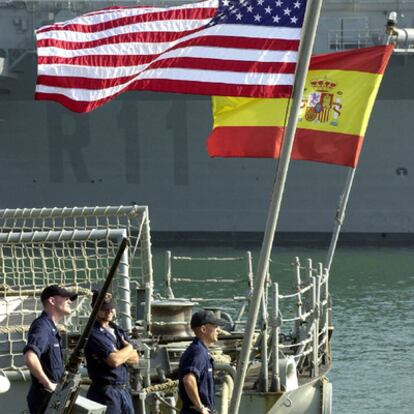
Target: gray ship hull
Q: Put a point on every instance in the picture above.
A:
(149, 148)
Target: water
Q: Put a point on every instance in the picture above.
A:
(373, 297)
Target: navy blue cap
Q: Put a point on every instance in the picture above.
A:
(204, 317)
(56, 290)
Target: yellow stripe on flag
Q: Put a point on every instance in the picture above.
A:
(337, 102)
(348, 104)
(229, 111)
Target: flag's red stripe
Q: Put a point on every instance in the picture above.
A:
(181, 14)
(143, 37)
(77, 82)
(132, 60)
(98, 60)
(369, 59)
(75, 106)
(184, 62)
(237, 42)
(163, 85)
(265, 142)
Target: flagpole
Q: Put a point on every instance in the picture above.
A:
(339, 218)
(311, 19)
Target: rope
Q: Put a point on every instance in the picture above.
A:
(14, 329)
(165, 386)
(159, 398)
(202, 259)
(187, 280)
(8, 291)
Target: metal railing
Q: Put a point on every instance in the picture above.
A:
(309, 343)
(298, 327)
(243, 299)
(354, 39)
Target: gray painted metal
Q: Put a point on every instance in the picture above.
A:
(310, 24)
(148, 148)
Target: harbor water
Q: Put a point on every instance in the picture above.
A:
(373, 313)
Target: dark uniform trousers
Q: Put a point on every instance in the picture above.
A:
(37, 399)
(115, 397)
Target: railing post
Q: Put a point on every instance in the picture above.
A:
(249, 294)
(148, 272)
(275, 339)
(309, 268)
(249, 271)
(299, 300)
(326, 274)
(314, 371)
(316, 311)
(168, 289)
(264, 371)
(309, 281)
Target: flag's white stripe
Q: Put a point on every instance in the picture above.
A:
(134, 49)
(245, 55)
(122, 49)
(160, 26)
(95, 72)
(103, 72)
(91, 72)
(230, 78)
(107, 16)
(261, 32)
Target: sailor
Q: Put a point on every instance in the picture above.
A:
(196, 369)
(43, 352)
(108, 354)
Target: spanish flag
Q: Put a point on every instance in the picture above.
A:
(339, 95)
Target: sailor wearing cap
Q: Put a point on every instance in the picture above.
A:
(108, 354)
(43, 352)
(196, 382)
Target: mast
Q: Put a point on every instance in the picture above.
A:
(312, 13)
(339, 218)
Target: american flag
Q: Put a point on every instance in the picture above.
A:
(215, 47)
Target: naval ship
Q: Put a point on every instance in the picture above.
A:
(149, 148)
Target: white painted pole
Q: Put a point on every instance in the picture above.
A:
(264, 371)
(312, 13)
(275, 340)
(124, 289)
(168, 289)
(299, 302)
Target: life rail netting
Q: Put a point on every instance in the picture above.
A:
(71, 247)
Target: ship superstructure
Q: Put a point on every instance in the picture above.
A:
(150, 147)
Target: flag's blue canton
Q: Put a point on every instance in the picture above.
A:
(285, 13)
